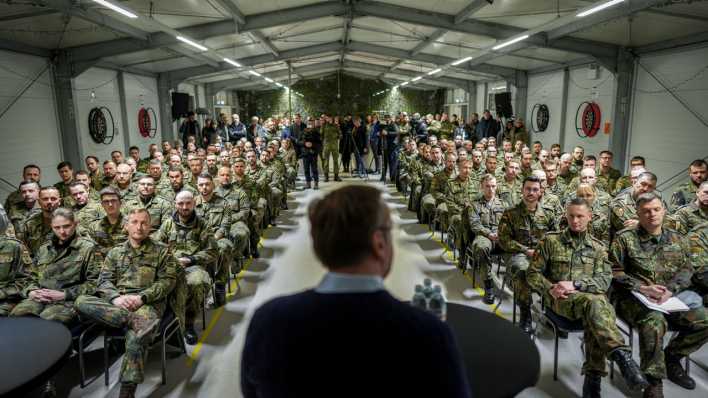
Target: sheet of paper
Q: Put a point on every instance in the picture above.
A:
(673, 304)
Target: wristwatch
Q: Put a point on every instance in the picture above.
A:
(577, 285)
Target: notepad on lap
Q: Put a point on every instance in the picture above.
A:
(673, 304)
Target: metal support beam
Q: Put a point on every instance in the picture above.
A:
(471, 8)
(14, 46)
(346, 29)
(123, 111)
(522, 87)
(234, 10)
(441, 80)
(178, 48)
(209, 94)
(66, 110)
(265, 42)
(568, 65)
(471, 97)
(276, 75)
(564, 109)
(167, 129)
(68, 7)
(624, 79)
(428, 41)
(211, 29)
(694, 40)
(30, 14)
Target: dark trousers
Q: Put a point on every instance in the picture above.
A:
(310, 163)
(390, 162)
(375, 154)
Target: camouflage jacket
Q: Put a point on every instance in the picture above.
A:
(216, 213)
(439, 183)
(566, 256)
(238, 199)
(520, 230)
(106, 235)
(12, 268)
(639, 258)
(460, 194)
(72, 269)
(34, 232)
(689, 216)
(126, 194)
(149, 270)
(249, 186)
(87, 214)
(685, 194)
(698, 246)
(484, 216)
(622, 208)
(191, 239)
(607, 182)
(18, 212)
(330, 134)
(622, 183)
(509, 192)
(552, 203)
(160, 209)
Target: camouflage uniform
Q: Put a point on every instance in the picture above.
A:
(34, 232)
(698, 246)
(274, 179)
(459, 196)
(552, 203)
(685, 194)
(127, 193)
(160, 209)
(71, 268)
(163, 188)
(240, 205)
(191, 239)
(257, 207)
(12, 274)
(639, 258)
(509, 192)
(563, 181)
(607, 182)
(426, 172)
(331, 135)
(87, 214)
(96, 180)
(216, 213)
(106, 235)
(18, 213)
(582, 259)
(436, 193)
(519, 231)
(484, 217)
(689, 216)
(150, 271)
(622, 183)
(13, 198)
(622, 208)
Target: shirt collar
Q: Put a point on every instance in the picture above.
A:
(334, 282)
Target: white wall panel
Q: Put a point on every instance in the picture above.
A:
(663, 130)
(581, 89)
(546, 89)
(141, 92)
(29, 131)
(103, 84)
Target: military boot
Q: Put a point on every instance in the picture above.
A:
(190, 335)
(308, 185)
(127, 390)
(317, 185)
(631, 372)
(592, 385)
(525, 319)
(655, 389)
(336, 178)
(326, 177)
(219, 294)
(676, 373)
(488, 291)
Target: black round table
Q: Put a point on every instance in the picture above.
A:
(32, 350)
(499, 358)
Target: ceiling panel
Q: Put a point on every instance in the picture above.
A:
(369, 36)
(256, 7)
(308, 40)
(298, 28)
(48, 31)
(141, 57)
(168, 65)
(549, 54)
(396, 27)
(358, 57)
(442, 6)
(518, 63)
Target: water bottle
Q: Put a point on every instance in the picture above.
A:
(428, 288)
(436, 306)
(437, 292)
(419, 300)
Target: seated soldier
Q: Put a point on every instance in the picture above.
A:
(623, 207)
(195, 250)
(66, 267)
(433, 200)
(520, 229)
(240, 204)
(696, 212)
(570, 269)
(132, 289)
(36, 229)
(12, 268)
(599, 226)
(509, 186)
(686, 193)
(460, 193)
(85, 209)
(160, 209)
(653, 260)
(484, 216)
(108, 232)
(26, 206)
(698, 249)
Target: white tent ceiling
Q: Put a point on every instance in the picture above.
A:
(390, 40)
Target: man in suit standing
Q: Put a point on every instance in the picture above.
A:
(349, 337)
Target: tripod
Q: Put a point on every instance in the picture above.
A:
(358, 160)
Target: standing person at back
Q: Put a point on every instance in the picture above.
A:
(349, 337)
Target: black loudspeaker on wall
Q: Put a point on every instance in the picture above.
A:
(503, 103)
(180, 105)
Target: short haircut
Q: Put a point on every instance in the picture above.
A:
(487, 177)
(648, 197)
(647, 174)
(532, 179)
(91, 157)
(177, 169)
(606, 152)
(77, 184)
(699, 163)
(116, 151)
(590, 157)
(133, 148)
(184, 195)
(105, 162)
(357, 209)
(638, 159)
(155, 162)
(48, 188)
(138, 210)
(30, 166)
(107, 191)
(555, 146)
(206, 176)
(578, 202)
(82, 173)
(64, 212)
(28, 182)
(63, 164)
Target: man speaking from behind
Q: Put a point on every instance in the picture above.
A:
(348, 337)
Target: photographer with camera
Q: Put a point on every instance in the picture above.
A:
(388, 131)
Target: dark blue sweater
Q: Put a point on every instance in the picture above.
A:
(349, 345)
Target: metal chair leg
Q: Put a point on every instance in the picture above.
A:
(106, 345)
(555, 355)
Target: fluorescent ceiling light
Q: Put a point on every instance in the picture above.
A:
(499, 88)
(510, 42)
(404, 83)
(415, 79)
(395, 87)
(461, 61)
(191, 43)
(268, 79)
(432, 72)
(232, 62)
(598, 8)
(254, 73)
(117, 9)
(278, 84)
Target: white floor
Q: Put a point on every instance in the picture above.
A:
(287, 265)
